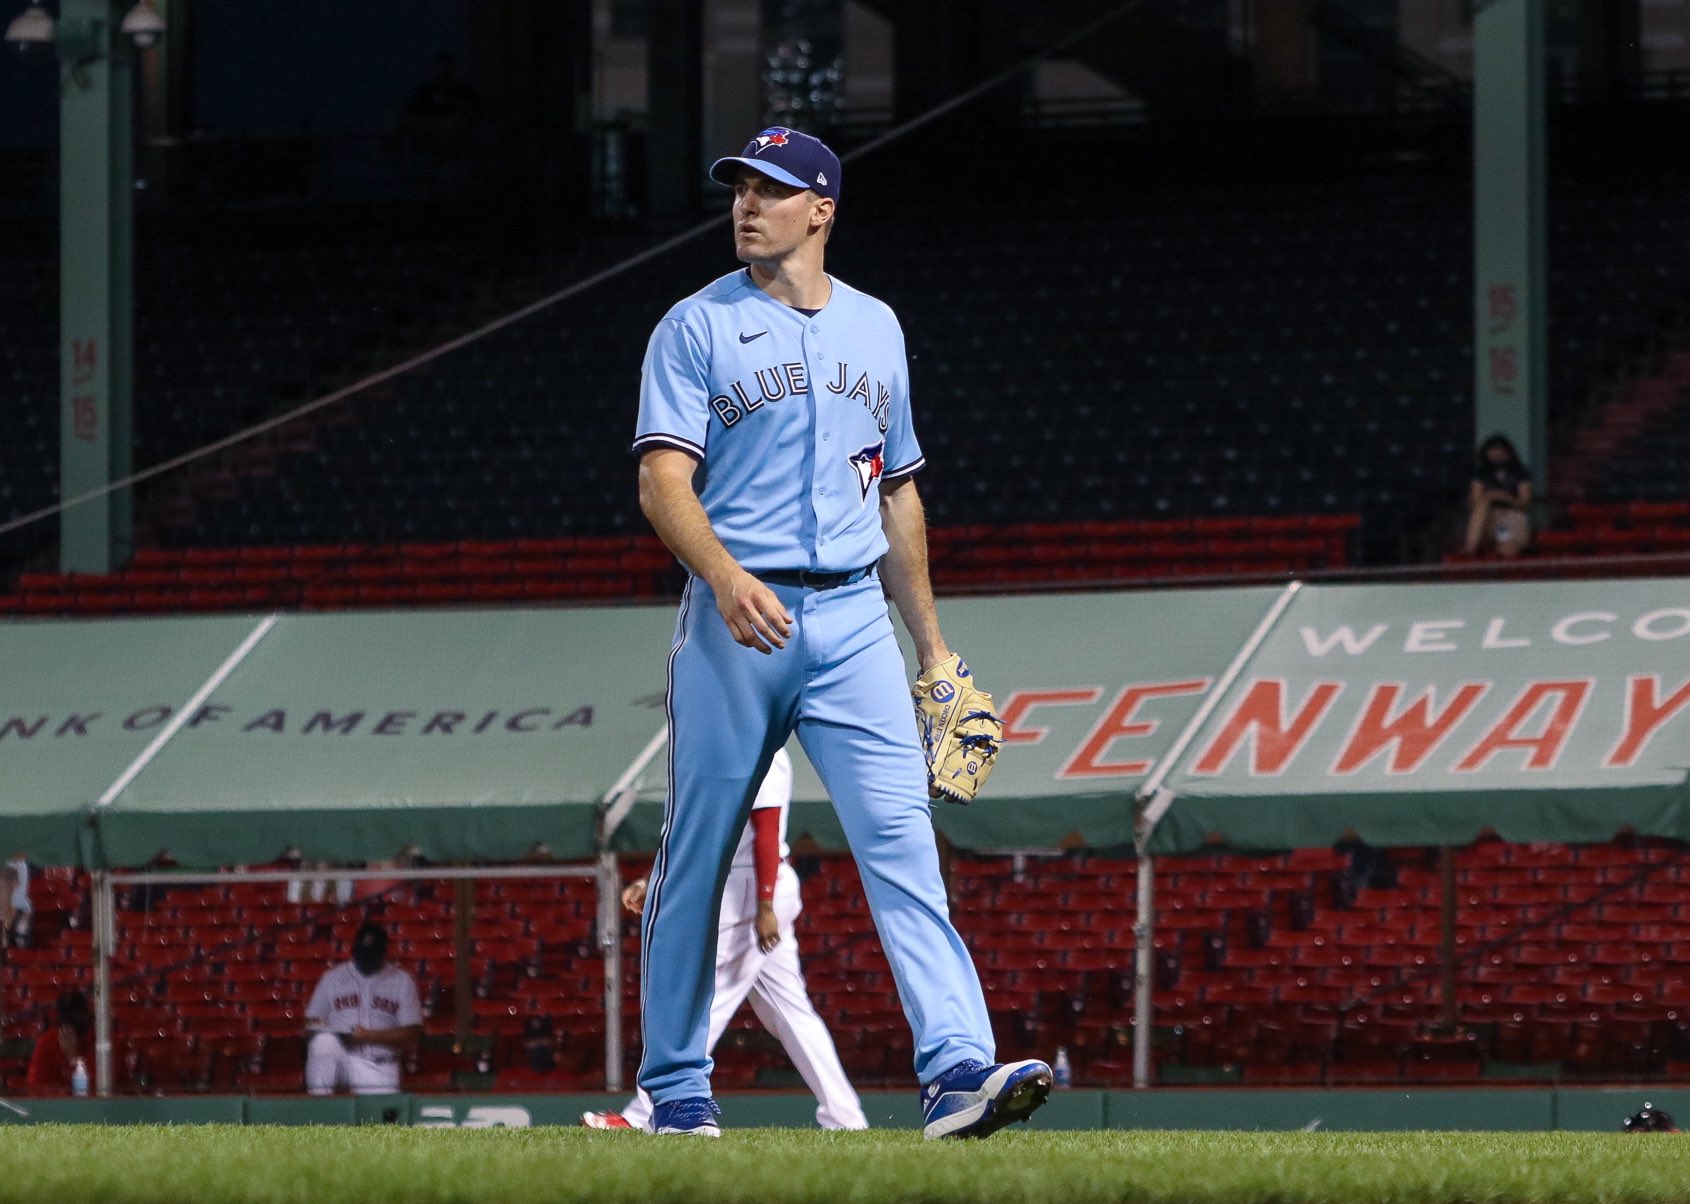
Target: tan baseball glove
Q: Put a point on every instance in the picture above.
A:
(960, 732)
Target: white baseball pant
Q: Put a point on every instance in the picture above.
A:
(775, 985)
(330, 1066)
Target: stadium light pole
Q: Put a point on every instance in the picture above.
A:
(95, 42)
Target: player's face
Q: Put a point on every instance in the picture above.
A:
(771, 219)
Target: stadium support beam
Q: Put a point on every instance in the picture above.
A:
(1510, 230)
(104, 909)
(1150, 805)
(613, 809)
(1447, 950)
(609, 931)
(96, 283)
(674, 106)
(463, 951)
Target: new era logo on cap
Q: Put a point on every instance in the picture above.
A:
(787, 155)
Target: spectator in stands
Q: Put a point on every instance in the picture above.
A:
(151, 895)
(313, 888)
(1499, 499)
(20, 893)
(539, 1044)
(395, 889)
(362, 1017)
(1367, 866)
(15, 911)
(60, 1045)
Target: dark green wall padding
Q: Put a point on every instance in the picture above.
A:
(1501, 1109)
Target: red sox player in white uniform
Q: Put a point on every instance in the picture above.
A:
(361, 1018)
(757, 958)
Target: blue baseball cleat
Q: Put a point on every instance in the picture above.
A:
(695, 1117)
(975, 1100)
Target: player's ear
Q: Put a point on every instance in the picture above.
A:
(821, 214)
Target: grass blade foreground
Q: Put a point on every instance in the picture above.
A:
(781, 1166)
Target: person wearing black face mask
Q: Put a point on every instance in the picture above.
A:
(1499, 498)
(362, 1017)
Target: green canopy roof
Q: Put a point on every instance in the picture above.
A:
(1093, 688)
(1407, 714)
(1427, 714)
(78, 703)
(473, 735)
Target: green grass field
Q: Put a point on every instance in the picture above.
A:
(783, 1166)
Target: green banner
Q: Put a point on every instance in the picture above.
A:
(1409, 714)
(1092, 688)
(78, 703)
(1428, 714)
(474, 736)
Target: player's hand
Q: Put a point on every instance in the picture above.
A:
(633, 896)
(768, 927)
(753, 614)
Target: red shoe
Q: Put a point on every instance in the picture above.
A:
(604, 1120)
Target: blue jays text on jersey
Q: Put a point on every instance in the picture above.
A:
(795, 417)
(780, 381)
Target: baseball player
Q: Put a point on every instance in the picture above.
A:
(757, 957)
(361, 1018)
(777, 462)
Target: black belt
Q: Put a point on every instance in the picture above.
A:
(811, 580)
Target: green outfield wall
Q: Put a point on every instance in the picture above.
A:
(1380, 1110)
(1407, 714)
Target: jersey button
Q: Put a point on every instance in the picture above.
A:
(826, 436)
(815, 330)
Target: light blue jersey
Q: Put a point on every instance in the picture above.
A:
(797, 419)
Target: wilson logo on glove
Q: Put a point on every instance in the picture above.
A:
(960, 732)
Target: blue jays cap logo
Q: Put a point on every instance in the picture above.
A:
(870, 463)
(791, 156)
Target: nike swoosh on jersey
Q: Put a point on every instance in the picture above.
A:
(747, 338)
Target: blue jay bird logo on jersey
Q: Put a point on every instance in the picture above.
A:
(870, 463)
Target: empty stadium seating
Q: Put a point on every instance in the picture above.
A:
(1285, 332)
(1574, 964)
(540, 571)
